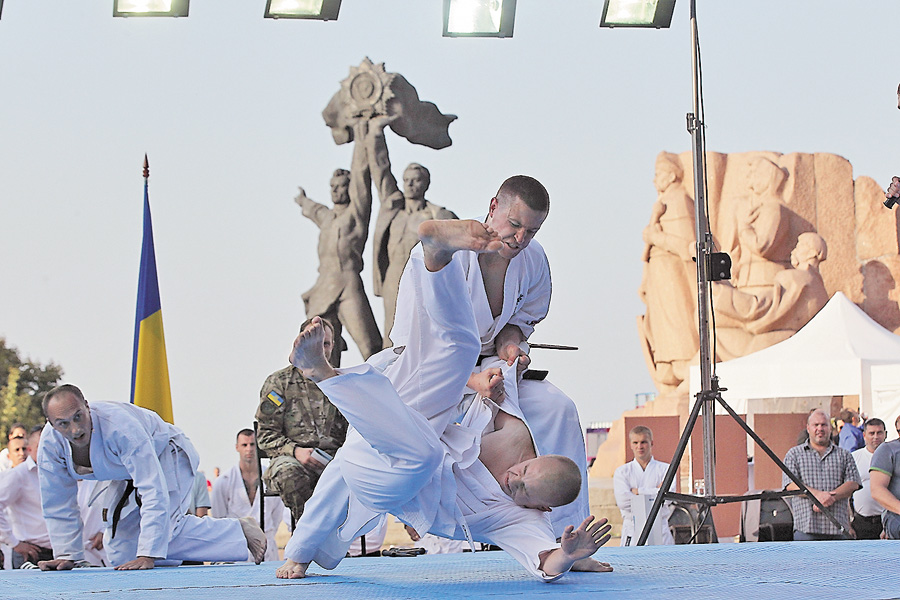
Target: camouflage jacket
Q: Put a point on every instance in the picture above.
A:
(293, 412)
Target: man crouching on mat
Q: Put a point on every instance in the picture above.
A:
(445, 475)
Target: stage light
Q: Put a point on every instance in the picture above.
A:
(321, 10)
(637, 13)
(479, 18)
(150, 8)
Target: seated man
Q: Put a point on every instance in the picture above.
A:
(22, 525)
(236, 492)
(296, 423)
(439, 477)
(141, 455)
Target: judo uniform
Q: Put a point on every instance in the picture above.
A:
(551, 414)
(229, 499)
(132, 443)
(646, 481)
(406, 453)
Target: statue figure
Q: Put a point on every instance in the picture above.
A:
(338, 294)
(762, 227)
(668, 331)
(401, 213)
(772, 314)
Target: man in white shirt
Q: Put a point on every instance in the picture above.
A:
(18, 433)
(866, 518)
(235, 493)
(643, 475)
(22, 525)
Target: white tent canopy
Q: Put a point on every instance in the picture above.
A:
(840, 352)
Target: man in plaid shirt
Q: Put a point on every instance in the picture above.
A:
(831, 475)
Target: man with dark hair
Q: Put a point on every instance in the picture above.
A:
(22, 525)
(151, 466)
(866, 521)
(884, 472)
(851, 436)
(831, 476)
(299, 429)
(16, 432)
(234, 494)
(477, 477)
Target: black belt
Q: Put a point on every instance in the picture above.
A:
(868, 519)
(117, 511)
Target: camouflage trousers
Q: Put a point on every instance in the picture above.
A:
(292, 481)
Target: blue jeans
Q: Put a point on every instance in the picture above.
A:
(891, 525)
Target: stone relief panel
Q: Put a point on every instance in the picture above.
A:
(798, 228)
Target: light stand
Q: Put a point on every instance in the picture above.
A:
(710, 391)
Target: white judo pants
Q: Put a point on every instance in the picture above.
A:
(393, 448)
(190, 538)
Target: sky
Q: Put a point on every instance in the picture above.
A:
(227, 105)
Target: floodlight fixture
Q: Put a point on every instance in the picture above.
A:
(320, 10)
(150, 8)
(637, 13)
(479, 18)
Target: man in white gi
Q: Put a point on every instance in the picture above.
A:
(235, 493)
(22, 525)
(151, 465)
(643, 475)
(510, 293)
(865, 519)
(441, 475)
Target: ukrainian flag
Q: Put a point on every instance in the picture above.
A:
(150, 370)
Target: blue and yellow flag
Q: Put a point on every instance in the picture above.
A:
(150, 370)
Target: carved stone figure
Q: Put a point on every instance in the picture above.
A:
(762, 226)
(338, 293)
(773, 313)
(668, 331)
(401, 213)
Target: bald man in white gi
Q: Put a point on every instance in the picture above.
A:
(510, 293)
(431, 476)
(151, 465)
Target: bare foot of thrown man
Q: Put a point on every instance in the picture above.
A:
(440, 239)
(308, 353)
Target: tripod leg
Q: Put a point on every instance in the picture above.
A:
(778, 462)
(671, 472)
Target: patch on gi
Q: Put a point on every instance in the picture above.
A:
(271, 403)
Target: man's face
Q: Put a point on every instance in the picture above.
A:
(641, 446)
(819, 429)
(246, 447)
(340, 190)
(515, 223)
(874, 436)
(71, 418)
(18, 450)
(525, 484)
(414, 184)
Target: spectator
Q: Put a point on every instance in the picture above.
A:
(866, 521)
(885, 483)
(15, 439)
(851, 436)
(22, 525)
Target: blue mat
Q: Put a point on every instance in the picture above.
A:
(795, 570)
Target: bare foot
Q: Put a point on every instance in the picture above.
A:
(291, 570)
(256, 539)
(440, 239)
(308, 353)
(589, 564)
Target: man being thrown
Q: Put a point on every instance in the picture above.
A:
(152, 467)
(441, 477)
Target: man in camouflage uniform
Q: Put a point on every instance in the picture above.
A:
(297, 423)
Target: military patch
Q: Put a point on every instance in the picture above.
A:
(275, 398)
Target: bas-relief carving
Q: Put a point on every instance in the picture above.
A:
(369, 100)
(760, 206)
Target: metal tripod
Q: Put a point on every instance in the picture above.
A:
(710, 390)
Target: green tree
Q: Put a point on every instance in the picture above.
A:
(22, 385)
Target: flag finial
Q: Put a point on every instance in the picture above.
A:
(146, 167)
